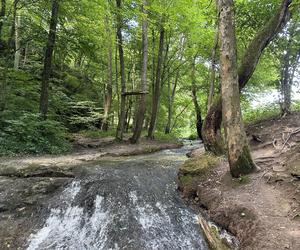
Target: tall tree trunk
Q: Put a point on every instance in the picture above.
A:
(156, 96)
(17, 42)
(122, 116)
(195, 100)
(26, 52)
(211, 132)
(172, 92)
(168, 125)
(11, 43)
(239, 157)
(142, 104)
(285, 83)
(213, 62)
(108, 92)
(48, 59)
(117, 77)
(287, 73)
(2, 16)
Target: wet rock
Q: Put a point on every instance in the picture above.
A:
(3, 208)
(36, 171)
(195, 153)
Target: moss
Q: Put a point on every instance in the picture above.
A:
(244, 165)
(194, 171)
(200, 164)
(186, 180)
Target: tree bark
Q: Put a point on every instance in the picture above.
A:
(289, 62)
(48, 59)
(239, 157)
(213, 62)
(108, 92)
(170, 108)
(140, 115)
(156, 96)
(10, 42)
(211, 132)
(17, 43)
(195, 100)
(122, 116)
(2, 16)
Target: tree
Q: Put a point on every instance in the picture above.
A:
(140, 114)
(156, 91)
(2, 16)
(238, 152)
(48, 59)
(122, 116)
(109, 85)
(212, 125)
(288, 64)
(195, 101)
(17, 42)
(214, 62)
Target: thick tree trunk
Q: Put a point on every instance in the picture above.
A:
(140, 114)
(156, 94)
(108, 92)
(2, 16)
(122, 116)
(48, 59)
(195, 101)
(239, 157)
(212, 125)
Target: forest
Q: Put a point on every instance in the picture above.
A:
(133, 77)
(125, 67)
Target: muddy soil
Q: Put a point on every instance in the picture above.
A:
(262, 209)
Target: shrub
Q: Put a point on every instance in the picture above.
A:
(29, 134)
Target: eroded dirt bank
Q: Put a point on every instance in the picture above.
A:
(262, 209)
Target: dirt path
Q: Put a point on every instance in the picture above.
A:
(263, 209)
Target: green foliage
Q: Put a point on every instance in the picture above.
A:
(159, 135)
(94, 134)
(84, 115)
(80, 69)
(252, 115)
(29, 134)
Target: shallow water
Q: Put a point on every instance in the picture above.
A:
(123, 203)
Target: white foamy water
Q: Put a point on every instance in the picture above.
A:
(72, 227)
(127, 205)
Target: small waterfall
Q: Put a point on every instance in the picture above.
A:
(129, 204)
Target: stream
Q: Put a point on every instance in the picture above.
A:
(122, 203)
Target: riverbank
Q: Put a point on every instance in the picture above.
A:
(87, 150)
(263, 209)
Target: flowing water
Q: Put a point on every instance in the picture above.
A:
(124, 203)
